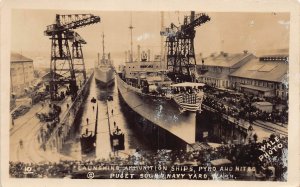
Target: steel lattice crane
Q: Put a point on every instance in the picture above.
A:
(65, 65)
(77, 55)
(180, 47)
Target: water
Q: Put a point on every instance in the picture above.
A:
(120, 116)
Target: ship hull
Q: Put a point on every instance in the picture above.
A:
(104, 76)
(162, 112)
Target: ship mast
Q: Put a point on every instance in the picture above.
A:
(131, 27)
(103, 51)
(161, 40)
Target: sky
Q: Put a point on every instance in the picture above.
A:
(227, 31)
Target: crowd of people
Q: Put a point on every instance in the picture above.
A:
(51, 124)
(51, 115)
(241, 106)
(239, 155)
(61, 96)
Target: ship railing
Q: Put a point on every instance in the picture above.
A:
(240, 123)
(193, 98)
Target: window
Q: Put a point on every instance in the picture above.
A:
(265, 84)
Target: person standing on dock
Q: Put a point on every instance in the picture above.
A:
(39, 139)
(21, 143)
(112, 111)
(115, 128)
(87, 120)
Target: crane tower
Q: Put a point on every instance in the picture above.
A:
(180, 47)
(65, 66)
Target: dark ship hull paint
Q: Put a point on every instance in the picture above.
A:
(87, 144)
(160, 111)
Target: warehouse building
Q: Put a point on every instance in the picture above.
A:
(265, 76)
(21, 74)
(216, 68)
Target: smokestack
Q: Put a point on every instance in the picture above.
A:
(192, 16)
(185, 22)
(139, 53)
(148, 54)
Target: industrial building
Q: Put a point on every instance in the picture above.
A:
(216, 68)
(265, 76)
(21, 74)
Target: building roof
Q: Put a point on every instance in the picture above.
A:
(16, 57)
(215, 75)
(48, 76)
(187, 84)
(274, 71)
(224, 59)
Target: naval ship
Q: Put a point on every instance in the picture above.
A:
(148, 91)
(151, 93)
(104, 71)
(165, 93)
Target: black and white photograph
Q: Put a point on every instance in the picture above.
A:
(149, 95)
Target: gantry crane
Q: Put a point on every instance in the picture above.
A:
(63, 70)
(181, 60)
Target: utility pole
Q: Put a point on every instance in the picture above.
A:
(162, 40)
